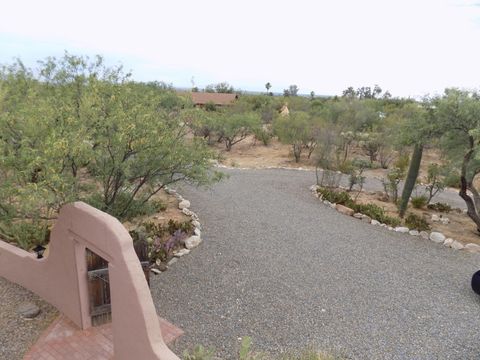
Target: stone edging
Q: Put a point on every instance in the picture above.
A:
(434, 236)
(194, 240)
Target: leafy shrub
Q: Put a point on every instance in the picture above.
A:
(337, 197)
(371, 210)
(419, 202)
(413, 221)
(263, 135)
(441, 207)
(26, 234)
(452, 179)
(376, 213)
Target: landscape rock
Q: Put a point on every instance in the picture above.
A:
(181, 252)
(344, 210)
(170, 191)
(313, 188)
(437, 237)
(390, 228)
(435, 217)
(187, 212)
(155, 271)
(457, 245)
(184, 204)
(444, 220)
(367, 219)
(333, 205)
(424, 235)
(196, 224)
(192, 242)
(448, 242)
(172, 261)
(358, 216)
(28, 310)
(414, 233)
(197, 232)
(402, 229)
(473, 248)
(326, 202)
(375, 222)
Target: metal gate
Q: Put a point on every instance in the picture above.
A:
(98, 282)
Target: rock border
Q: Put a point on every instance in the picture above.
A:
(189, 243)
(434, 236)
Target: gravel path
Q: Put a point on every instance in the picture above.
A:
(281, 267)
(16, 334)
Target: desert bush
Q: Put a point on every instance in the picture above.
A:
(419, 202)
(391, 182)
(262, 135)
(377, 213)
(435, 183)
(413, 221)
(199, 352)
(440, 207)
(336, 197)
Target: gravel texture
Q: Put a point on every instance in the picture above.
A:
(17, 335)
(279, 266)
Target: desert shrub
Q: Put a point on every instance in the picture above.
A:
(336, 197)
(376, 212)
(26, 234)
(262, 135)
(413, 221)
(440, 207)
(452, 179)
(419, 202)
(391, 182)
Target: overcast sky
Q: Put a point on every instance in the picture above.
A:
(410, 47)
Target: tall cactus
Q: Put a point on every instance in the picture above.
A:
(411, 178)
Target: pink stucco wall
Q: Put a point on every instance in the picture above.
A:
(61, 279)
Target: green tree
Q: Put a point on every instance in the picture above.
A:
(237, 126)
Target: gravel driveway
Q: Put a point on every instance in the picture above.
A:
(281, 267)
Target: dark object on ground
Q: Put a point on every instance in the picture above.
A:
(476, 282)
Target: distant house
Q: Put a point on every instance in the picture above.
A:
(200, 99)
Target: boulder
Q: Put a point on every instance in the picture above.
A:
(197, 232)
(457, 245)
(187, 212)
(192, 242)
(424, 235)
(358, 216)
(184, 204)
(414, 233)
(344, 210)
(402, 229)
(390, 228)
(448, 242)
(444, 220)
(473, 248)
(375, 222)
(435, 217)
(437, 237)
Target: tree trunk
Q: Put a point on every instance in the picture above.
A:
(471, 210)
(411, 178)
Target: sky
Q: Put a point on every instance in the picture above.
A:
(409, 47)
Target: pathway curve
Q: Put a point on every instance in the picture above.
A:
(279, 266)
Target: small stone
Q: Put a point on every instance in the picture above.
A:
(187, 212)
(383, 225)
(367, 219)
(158, 262)
(183, 204)
(155, 271)
(170, 191)
(435, 217)
(344, 210)
(390, 228)
(402, 229)
(172, 261)
(414, 233)
(192, 242)
(28, 310)
(375, 222)
(326, 202)
(197, 232)
(424, 235)
(444, 220)
(448, 242)
(333, 205)
(473, 248)
(313, 188)
(181, 252)
(437, 237)
(162, 267)
(457, 245)
(196, 224)
(358, 216)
